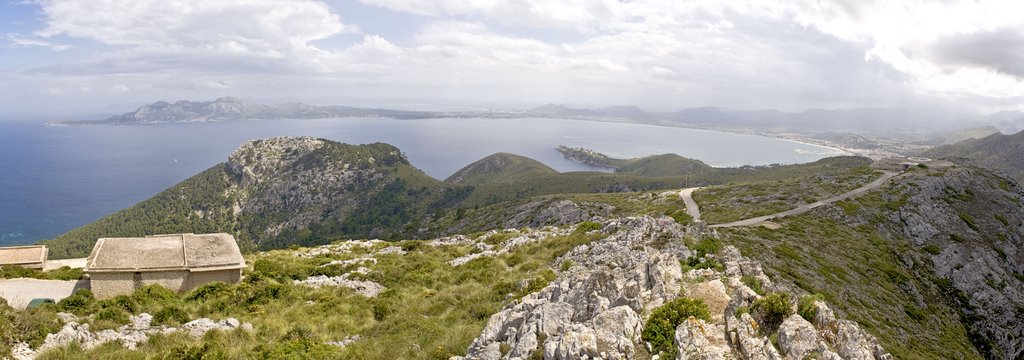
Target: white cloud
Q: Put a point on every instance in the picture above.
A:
(262, 28)
(16, 40)
(658, 53)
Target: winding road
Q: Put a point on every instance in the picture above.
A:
(694, 210)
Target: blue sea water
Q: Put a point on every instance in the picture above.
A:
(53, 179)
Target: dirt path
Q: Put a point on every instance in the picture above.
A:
(691, 206)
(805, 208)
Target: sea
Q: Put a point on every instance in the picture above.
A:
(53, 179)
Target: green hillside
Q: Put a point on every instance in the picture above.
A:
(500, 168)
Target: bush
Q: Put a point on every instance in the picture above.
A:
(123, 302)
(771, 310)
(153, 294)
(208, 291)
(806, 307)
(170, 315)
(588, 226)
(112, 314)
(79, 303)
(932, 249)
(660, 329)
(754, 283)
(708, 246)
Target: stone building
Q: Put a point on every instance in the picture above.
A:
(32, 256)
(178, 262)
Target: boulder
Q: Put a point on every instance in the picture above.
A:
(797, 338)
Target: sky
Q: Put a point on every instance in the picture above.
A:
(88, 55)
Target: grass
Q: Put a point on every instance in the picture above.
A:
(429, 310)
(721, 204)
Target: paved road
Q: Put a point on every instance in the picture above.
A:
(18, 292)
(805, 208)
(691, 206)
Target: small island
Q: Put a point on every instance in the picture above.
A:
(589, 157)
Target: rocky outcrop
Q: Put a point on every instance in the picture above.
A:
(131, 335)
(598, 307)
(362, 287)
(593, 310)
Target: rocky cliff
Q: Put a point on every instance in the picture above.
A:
(971, 225)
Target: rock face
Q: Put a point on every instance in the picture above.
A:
(597, 308)
(593, 310)
(976, 223)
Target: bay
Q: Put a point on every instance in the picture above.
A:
(53, 179)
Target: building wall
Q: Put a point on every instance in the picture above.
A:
(172, 280)
(108, 285)
(231, 276)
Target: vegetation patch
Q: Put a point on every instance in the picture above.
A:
(660, 328)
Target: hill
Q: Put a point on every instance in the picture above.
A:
(281, 191)
(998, 152)
(500, 168)
(663, 165)
(926, 267)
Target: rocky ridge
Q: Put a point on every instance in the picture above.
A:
(598, 305)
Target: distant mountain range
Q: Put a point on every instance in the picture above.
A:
(234, 109)
(862, 120)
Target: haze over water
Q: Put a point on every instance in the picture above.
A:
(57, 178)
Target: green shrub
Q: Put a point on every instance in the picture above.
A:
(969, 221)
(805, 307)
(660, 329)
(771, 310)
(708, 245)
(208, 291)
(80, 303)
(588, 226)
(153, 294)
(932, 249)
(915, 313)
(754, 283)
(170, 315)
(115, 315)
(123, 302)
(64, 273)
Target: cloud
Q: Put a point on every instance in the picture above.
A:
(662, 54)
(16, 40)
(1000, 50)
(576, 14)
(265, 29)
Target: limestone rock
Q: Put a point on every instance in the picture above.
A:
(797, 338)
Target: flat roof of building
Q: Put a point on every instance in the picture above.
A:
(23, 255)
(204, 252)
